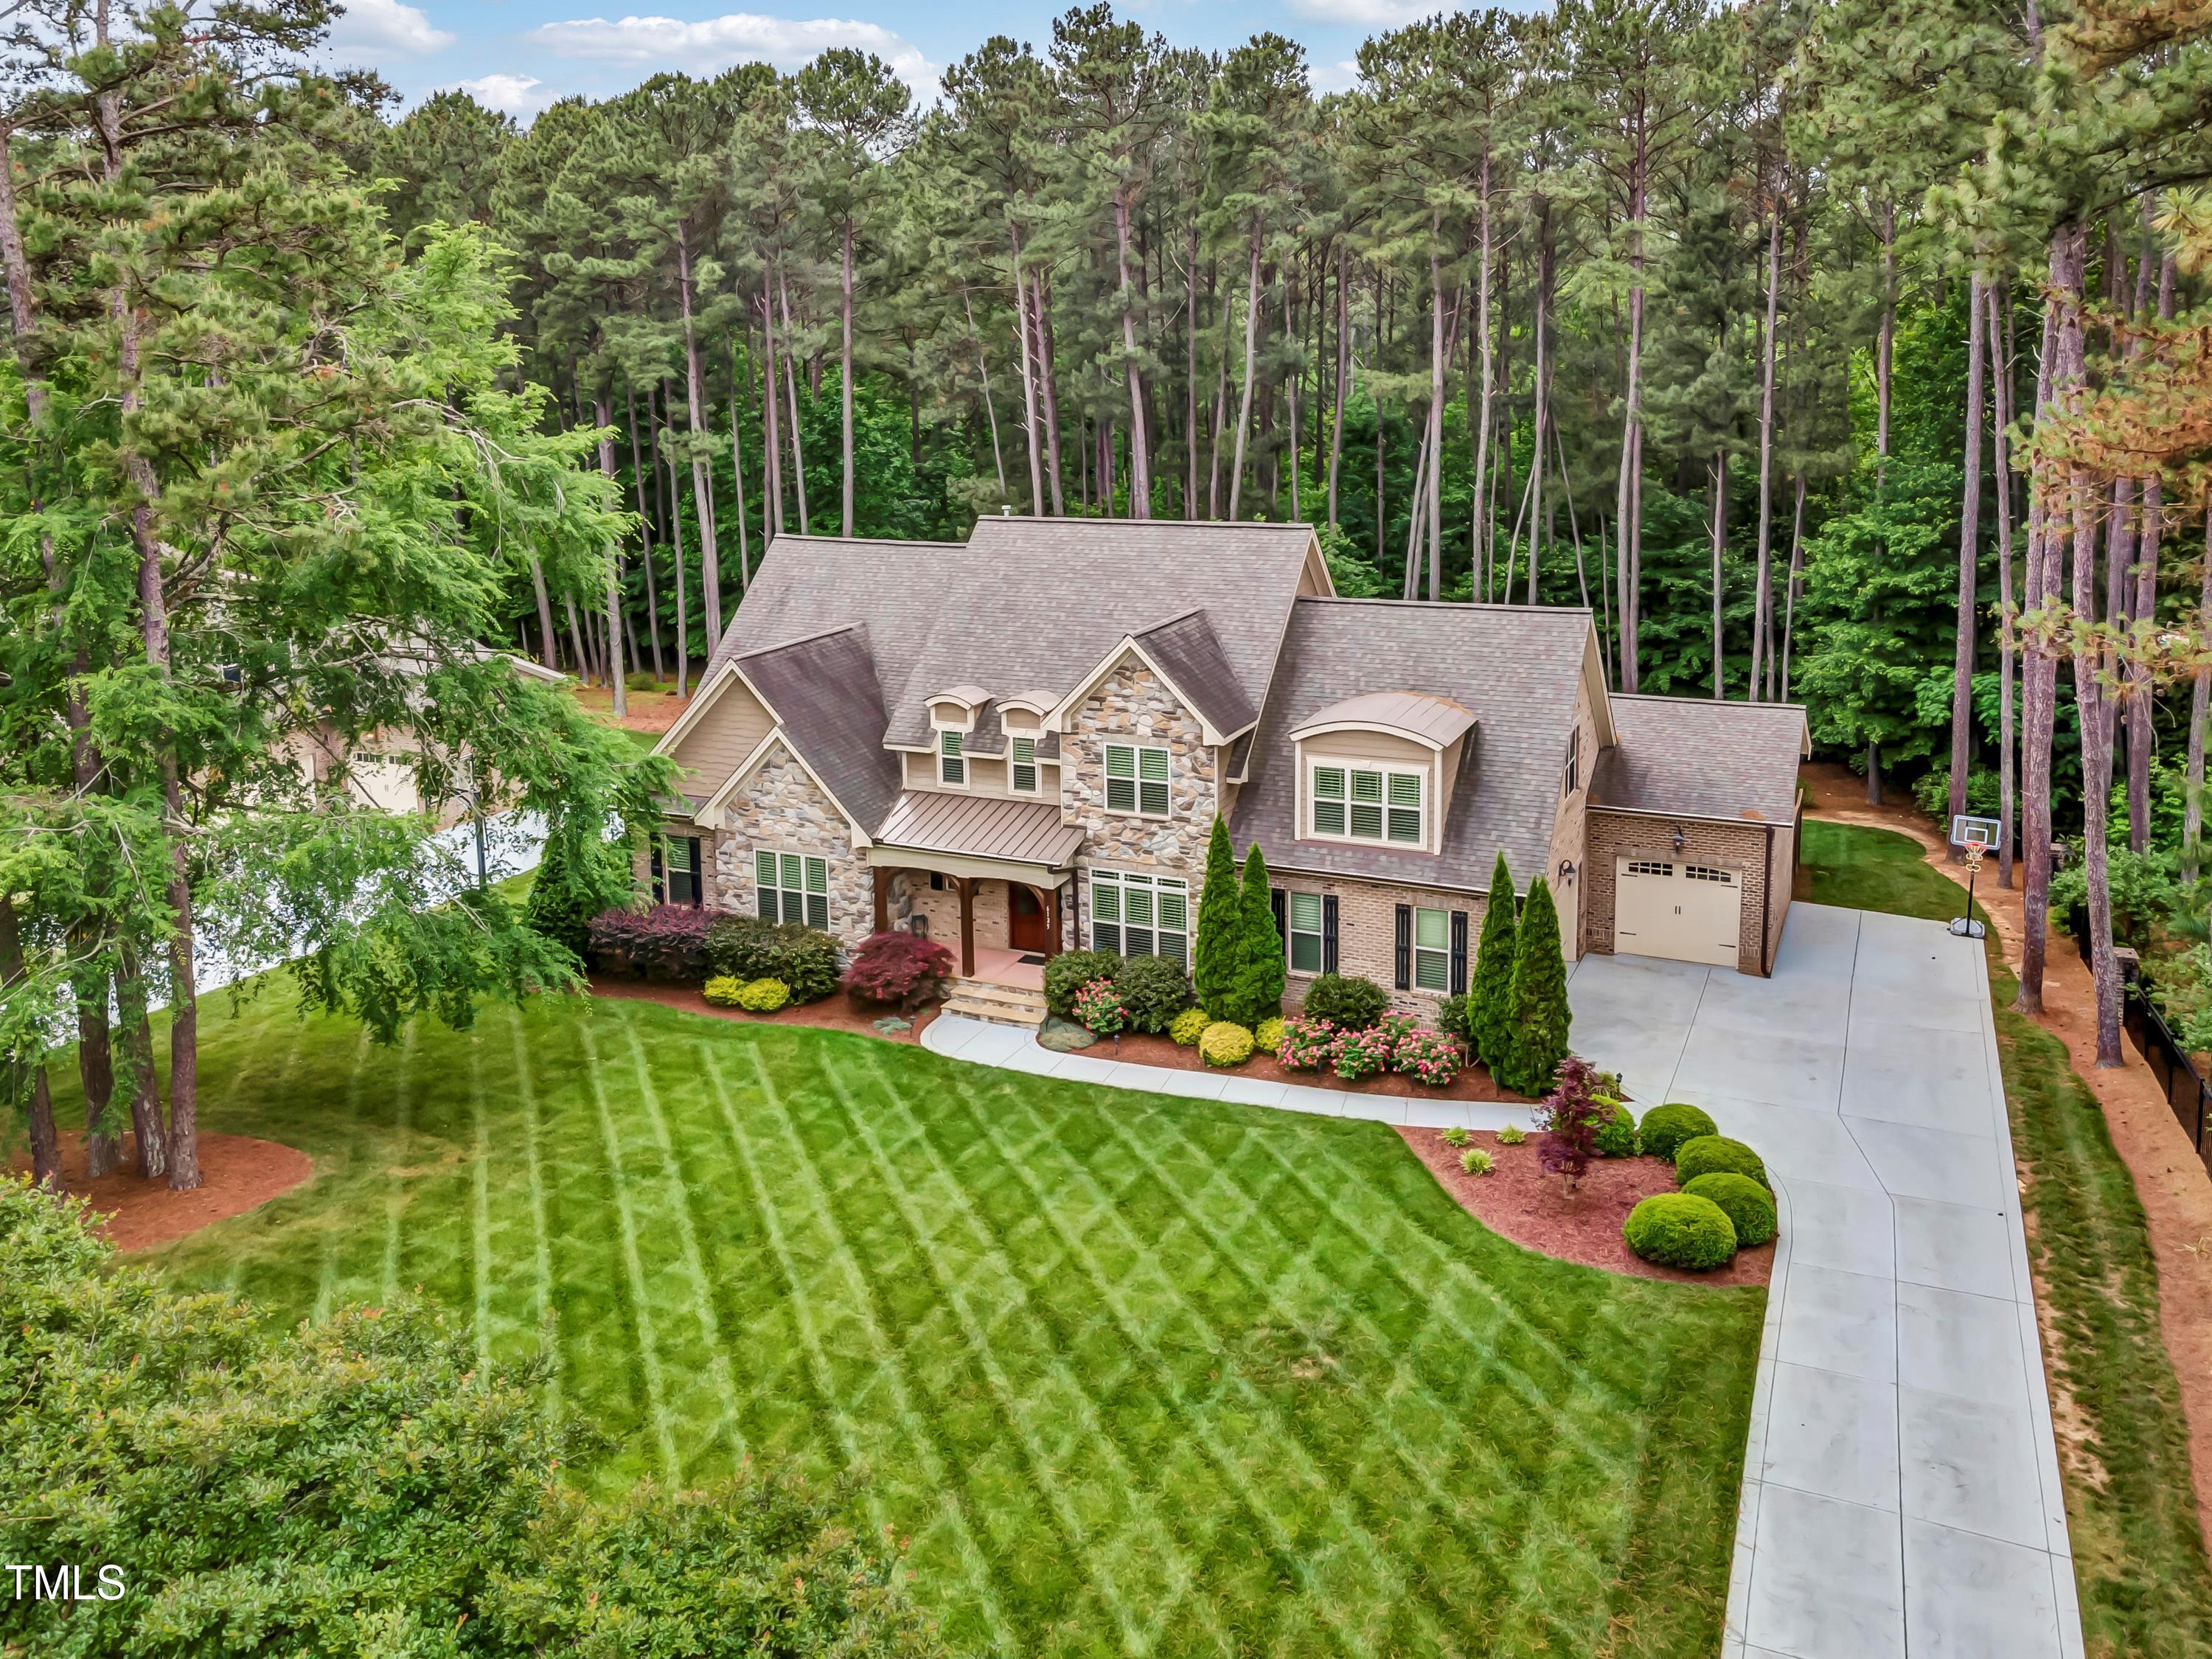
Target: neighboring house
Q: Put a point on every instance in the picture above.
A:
(1020, 745)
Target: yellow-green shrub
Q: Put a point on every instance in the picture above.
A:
(1224, 1044)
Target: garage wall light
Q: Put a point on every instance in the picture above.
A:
(1678, 837)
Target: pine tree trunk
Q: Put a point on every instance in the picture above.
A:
(2039, 696)
(1244, 407)
(1029, 375)
(549, 649)
(702, 499)
(790, 385)
(983, 377)
(1719, 545)
(738, 471)
(2008, 631)
(1629, 505)
(603, 408)
(136, 1039)
(1049, 380)
(1762, 624)
(771, 421)
(637, 469)
(1485, 531)
(1434, 508)
(683, 604)
(1970, 526)
(845, 523)
(1140, 467)
(1796, 582)
(1290, 396)
(2143, 742)
(1190, 428)
(2200, 704)
(1885, 351)
(1343, 372)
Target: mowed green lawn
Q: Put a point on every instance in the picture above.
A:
(1135, 1375)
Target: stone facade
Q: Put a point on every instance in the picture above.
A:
(942, 907)
(1742, 847)
(781, 808)
(1367, 933)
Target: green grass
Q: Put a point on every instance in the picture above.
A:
(1135, 1375)
(2138, 1551)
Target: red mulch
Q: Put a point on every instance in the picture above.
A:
(238, 1173)
(1472, 1083)
(837, 1013)
(1518, 1201)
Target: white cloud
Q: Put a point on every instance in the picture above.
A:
(1365, 14)
(716, 43)
(386, 26)
(1340, 76)
(522, 96)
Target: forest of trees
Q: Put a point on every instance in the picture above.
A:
(1852, 353)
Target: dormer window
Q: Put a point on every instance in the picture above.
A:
(951, 764)
(1136, 780)
(1021, 766)
(1352, 803)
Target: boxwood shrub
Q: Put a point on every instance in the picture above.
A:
(1680, 1229)
(1666, 1127)
(1748, 1206)
(1186, 1027)
(1617, 1137)
(1347, 1001)
(1069, 972)
(1154, 991)
(1717, 1155)
(763, 996)
(1224, 1044)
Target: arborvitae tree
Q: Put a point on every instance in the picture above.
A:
(1218, 951)
(1540, 1015)
(1258, 992)
(1490, 992)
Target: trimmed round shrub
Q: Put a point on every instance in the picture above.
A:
(1268, 1034)
(1154, 991)
(1069, 972)
(753, 947)
(1617, 1138)
(1186, 1027)
(721, 991)
(1748, 1206)
(1345, 1000)
(1717, 1155)
(763, 996)
(1224, 1044)
(1475, 1161)
(1511, 1135)
(1680, 1230)
(899, 967)
(1666, 1127)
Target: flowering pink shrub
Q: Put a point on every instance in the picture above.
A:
(1362, 1054)
(1098, 1005)
(1308, 1044)
(1427, 1057)
(1394, 1029)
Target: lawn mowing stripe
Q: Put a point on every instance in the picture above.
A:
(395, 1200)
(547, 1320)
(687, 1234)
(480, 1206)
(1403, 1371)
(931, 1457)
(1135, 1636)
(236, 1276)
(648, 1347)
(334, 1237)
(1281, 1538)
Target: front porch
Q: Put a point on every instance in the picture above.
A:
(991, 879)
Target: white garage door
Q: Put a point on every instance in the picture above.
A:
(1670, 908)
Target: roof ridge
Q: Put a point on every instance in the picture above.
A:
(1448, 604)
(1183, 615)
(982, 519)
(859, 627)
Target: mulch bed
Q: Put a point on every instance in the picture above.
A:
(238, 1172)
(1519, 1200)
(1472, 1083)
(836, 1012)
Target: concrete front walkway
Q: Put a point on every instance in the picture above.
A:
(1901, 1492)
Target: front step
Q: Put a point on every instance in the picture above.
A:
(1001, 1004)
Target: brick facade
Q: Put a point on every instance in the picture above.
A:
(1741, 846)
(1367, 933)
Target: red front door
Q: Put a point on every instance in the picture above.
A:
(1027, 926)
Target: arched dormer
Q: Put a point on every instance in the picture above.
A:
(1378, 769)
(952, 715)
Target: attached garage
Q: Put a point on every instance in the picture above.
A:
(1677, 908)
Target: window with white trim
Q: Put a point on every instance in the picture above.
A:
(1351, 803)
(1304, 919)
(1570, 778)
(1022, 767)
(1432, 950)
(793, 887)
(1134, 916)
(1136, 780)
(951, 764)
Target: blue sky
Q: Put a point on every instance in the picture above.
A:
(520, 55)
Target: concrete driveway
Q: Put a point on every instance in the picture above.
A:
(1901, 1493)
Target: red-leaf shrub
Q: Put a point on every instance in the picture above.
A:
(668, 942)
(1570, 1116)
(901, 968)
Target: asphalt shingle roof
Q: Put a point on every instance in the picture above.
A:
(1189, 651)
(1702, 758)
(1513, 668)
(823, 693)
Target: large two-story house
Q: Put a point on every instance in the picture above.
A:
(1021, 744)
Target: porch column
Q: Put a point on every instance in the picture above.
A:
(966, 886)
(883, 899)
(1051, 897)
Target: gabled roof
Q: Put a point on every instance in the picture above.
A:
(1703, 759)
(1189, 651)
(1513, 670)
(824, 694)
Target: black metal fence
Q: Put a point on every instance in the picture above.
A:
(2170, 1064)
